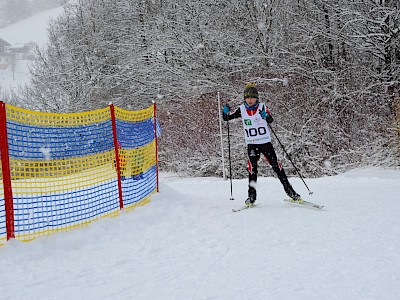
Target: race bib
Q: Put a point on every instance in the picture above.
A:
(255, 128)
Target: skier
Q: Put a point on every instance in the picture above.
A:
(255, 117)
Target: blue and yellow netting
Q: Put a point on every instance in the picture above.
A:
(63, 167)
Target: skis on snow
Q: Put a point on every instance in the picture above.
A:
(304, 203)
(301, 203)
(243, 208)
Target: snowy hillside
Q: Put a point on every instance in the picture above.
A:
(188, 244)
(33, 29)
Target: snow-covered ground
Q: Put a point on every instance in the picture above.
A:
(188, 244)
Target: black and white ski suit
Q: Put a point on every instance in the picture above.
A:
(258, 140)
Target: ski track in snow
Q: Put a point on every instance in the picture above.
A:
(187, 244)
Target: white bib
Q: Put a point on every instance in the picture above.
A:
(256, 129)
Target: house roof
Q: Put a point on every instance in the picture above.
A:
(3, 43)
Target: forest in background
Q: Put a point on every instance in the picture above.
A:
(328, 71)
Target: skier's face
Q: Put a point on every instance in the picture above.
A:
(251, 101)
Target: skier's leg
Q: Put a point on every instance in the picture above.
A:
(270, 155)
(254, 155)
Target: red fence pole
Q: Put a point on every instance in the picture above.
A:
(156, 140)
(116, 149)
(5, 166)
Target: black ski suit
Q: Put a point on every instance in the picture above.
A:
(254, 151)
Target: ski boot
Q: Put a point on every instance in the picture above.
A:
(296, 197)
(250, 201)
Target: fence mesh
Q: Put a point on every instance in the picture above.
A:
(64, 172)
(3, 233)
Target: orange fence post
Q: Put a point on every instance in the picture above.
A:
(116, 149)
(5, 164)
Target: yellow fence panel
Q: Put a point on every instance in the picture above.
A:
(64, 172)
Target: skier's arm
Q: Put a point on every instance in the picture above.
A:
(229, 116)
(269, 118)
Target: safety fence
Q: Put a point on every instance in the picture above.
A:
(62, 171)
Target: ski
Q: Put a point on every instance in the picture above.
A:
(304, 203)
(243, 208)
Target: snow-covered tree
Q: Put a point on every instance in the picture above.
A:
(328, 70)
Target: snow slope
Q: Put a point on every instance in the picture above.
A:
(187, 244)
(32, 29)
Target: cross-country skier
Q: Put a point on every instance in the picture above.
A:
(255, 117)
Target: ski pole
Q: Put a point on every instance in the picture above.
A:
(229, 157)
(284, 150)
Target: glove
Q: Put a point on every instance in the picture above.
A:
(226, 109)
(266, 116)
(263, 114)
